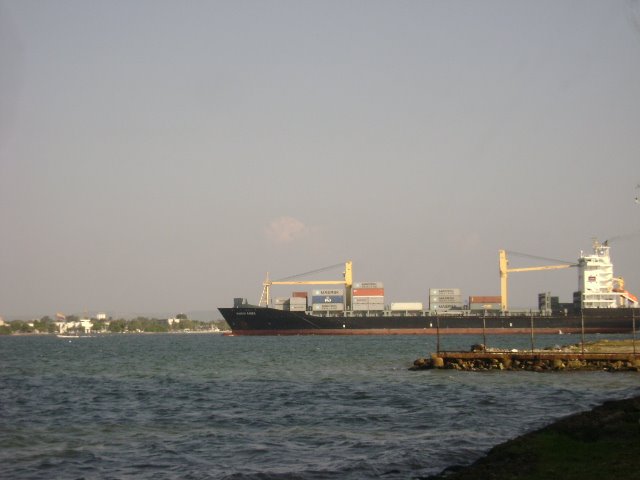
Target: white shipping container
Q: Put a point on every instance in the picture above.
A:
(298, 308)
(376, 307)
(359, 301)
(326, 307)
(444, 291)
(280, 300)
(368, 285)
(445, 298)
(376, 300)
(402, 306)
(451, 304)
(362, 307)
(485, 306)
(371, 299)
(297, 301)
(367, 307)
(445, 306)
(330, 291)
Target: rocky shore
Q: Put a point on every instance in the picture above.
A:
(600, 444)
(619, 355)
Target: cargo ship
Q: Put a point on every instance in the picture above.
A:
(601, 305)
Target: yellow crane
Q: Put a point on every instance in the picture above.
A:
(265, 298)
(505, 271)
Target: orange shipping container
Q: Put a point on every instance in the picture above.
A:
(368, 292)
(485, 299)
(300, 294)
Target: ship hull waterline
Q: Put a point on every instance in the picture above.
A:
(268, 321)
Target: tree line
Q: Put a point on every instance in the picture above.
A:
(120, 325)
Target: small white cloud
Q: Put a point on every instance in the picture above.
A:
(286, 230)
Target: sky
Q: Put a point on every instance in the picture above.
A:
(163, 156)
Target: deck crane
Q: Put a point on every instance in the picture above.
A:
(265, 298)
(505, 271)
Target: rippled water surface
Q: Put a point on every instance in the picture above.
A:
(208, 406)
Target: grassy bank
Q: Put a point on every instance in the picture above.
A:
(599, 444)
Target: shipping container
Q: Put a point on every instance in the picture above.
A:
(362, 307)
(376, 300)
(485, 299)
(368, 285)
(298, 301)
(327, 299)
(406, 306)
(484, 306)
(547, 303)
(363, 300)
(368, 292)
(327, 307)
(329, 291)
(280, 300)
(444, 291)
(445, 298)
(360, 300)
(444, 307)
(300, 294)
(298, 308)
(448, 302)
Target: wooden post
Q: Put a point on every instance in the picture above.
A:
(532, 345)
(438, 335)
(582, 328)
(484, 333)
(633, 325)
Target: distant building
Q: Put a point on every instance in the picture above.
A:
(86, 325)
(101, 316)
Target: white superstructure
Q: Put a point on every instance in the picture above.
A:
(596, 283)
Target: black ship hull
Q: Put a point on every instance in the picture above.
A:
(269, 321)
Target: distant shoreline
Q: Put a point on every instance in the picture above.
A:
(105, 334)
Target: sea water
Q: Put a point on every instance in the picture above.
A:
(304, 407)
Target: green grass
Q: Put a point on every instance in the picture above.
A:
(597, 445)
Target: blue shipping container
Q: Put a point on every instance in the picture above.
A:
(327, 299)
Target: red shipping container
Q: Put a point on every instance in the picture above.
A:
(300, 294)
(368, 292)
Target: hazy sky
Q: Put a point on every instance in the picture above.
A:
(162, 156)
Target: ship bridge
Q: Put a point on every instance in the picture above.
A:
(596, 283)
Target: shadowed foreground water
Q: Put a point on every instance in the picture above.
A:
(208, 406)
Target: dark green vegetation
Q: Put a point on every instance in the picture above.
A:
(120, 325)
(42, 325)
(600, 444)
